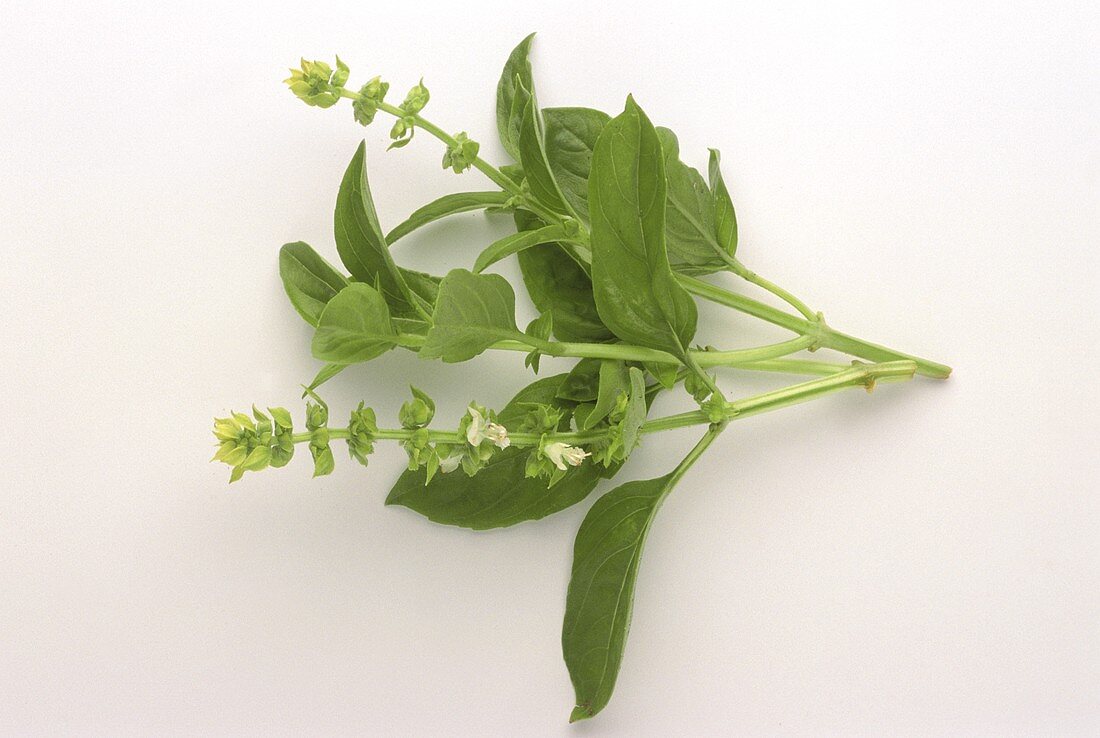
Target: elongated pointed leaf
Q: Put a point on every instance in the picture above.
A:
(536, 165)
(499, 495)
(515, 79)
(690, 219)
(598, 606)
(635, 291)
(355, 326)
(310, 281)
(516, 243)
(472, 312)
(570, 135)
(457, 202)
(360, 242)
(725, 219)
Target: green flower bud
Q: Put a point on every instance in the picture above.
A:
(316, 84)
(416, 99)
(370, 94)
(316, 415)
(419, 448)
(418, 411)
(340, 77)
(361, 429)
(402, 132)
(461, 155)
(283, 449)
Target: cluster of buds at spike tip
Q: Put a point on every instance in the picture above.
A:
(404, 126)
(460, 155)
(252, 444)
(318, 84)
(366, 105)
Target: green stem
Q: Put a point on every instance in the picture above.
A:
(625, 352)
(747, 274)
(826, 336)
(866, 375)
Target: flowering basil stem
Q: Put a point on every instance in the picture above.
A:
(614, 232)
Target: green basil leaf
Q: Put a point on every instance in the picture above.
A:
(458, 202)
(310, 281)
(598, 606)
(355, 326)
(690, 218)
(556, 283)
(536, 166)
(499, 495)
(582, 383)
(515, 79)
(472, 312)
(636, 293)
(516, 243)
(614, 380)
(360, 242)
(571, 135)
(725, 219)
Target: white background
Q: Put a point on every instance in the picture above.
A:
(922, 561)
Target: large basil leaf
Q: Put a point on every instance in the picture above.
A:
(472, 312)
(310, 281)
(636, 293)
(499, 495)
(536, 166)
(556, 283)
(360, 242)
(517, 242)
(355, 326)
(515, 81)
(571, 135)
(598, 606)
(725, 219)
(457, 202)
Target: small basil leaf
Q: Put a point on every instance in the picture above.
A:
(557, 284)
(458, 202)
(614, 380)
(360, 242)
(355, 326)
(310, 281)
(327, 372)
(516, 243)
(536, 166)
(516, 77)
(571, 135)
(636, 293)
(725, 219)
(499, 495)
(472, 312)
(598, 606)
(690, 218)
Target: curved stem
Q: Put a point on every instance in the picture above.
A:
(747, 274)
